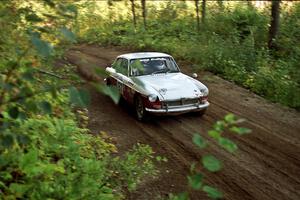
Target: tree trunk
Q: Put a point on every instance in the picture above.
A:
(133, 13)
(203, 12)
(274, 28)
(144, 12)
(197, 14)
(249, 3)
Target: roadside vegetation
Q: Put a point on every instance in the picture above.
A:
(46, 150)
(234, 40)
(197, 179)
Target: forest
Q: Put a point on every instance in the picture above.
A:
(50, 150)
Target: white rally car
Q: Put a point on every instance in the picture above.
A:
(153, 83)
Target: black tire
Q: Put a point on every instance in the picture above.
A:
(108, 83)
(200, 113)
(140, 111)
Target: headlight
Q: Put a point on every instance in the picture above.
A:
(152, 97)
(204, 91)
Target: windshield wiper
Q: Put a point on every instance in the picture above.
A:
(161, 71)
(173, 71)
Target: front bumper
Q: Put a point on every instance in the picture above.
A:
(179, 109)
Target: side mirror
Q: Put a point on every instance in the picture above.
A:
(195, 75)
(110, 70)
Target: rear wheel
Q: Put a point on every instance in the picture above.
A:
(140, 111)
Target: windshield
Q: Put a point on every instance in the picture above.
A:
(146, 66)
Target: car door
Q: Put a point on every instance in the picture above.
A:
(121, 79)
(121, 67)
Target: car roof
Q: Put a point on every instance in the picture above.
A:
(143, 55)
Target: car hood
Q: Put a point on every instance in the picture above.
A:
(171, 86)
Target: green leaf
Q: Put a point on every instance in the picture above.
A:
(29, 163)
(22, 116)
(43, 29)
(31, 106)
(219, 126)
(13, 112)
(158, 158)
(28, 75)
(69, 35)
(181, 196)
(212, 192)
(193, 167)
(23, 139)
(230, 118)
(110, 91)
(18, 189)
(50, 3)
(228, 145)
(214, 134)
(7, 141)
(195, 181)
(138, 82)
(71, 8)
(79, 97)
(29, 158)
(199, 141)
(42, 47)
(101, 72)
(2, 185)
(5, 176)
(240, 130)
(46, 107)
(33, 18)
(211, 163)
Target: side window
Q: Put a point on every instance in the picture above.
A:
(121, 66)
(117, 64)
(124, 67)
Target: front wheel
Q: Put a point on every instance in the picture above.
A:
(140, 111)
(200, 113)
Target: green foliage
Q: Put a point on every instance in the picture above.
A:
(69, 35)
(45, 107)
(195, 181)
(209, 162)
(61, 153)
(212, 192)
(43, 48)
(181, 196)
(110, 91)
(46, 152)
(199, 141)
(79, 97)
(134, 166)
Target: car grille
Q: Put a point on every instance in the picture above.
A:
(180, 102)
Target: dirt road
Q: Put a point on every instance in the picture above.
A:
(266, 166)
